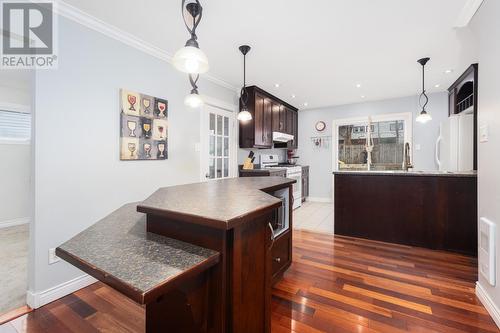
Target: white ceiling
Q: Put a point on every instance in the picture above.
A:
(317, 50)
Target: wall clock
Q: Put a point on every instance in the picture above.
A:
(320, 126)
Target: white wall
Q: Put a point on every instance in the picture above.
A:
(320, 161)
(14, 95)
(15, 180)
(16, 160)
(486, 26)
(78, 175)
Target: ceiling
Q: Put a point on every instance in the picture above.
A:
(318, 51)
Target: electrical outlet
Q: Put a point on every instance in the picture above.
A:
(52, 256)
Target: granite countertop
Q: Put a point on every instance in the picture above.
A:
(120, 252)
(219, 204)
(409, 173)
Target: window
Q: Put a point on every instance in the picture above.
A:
(389, 133)
(15, 126)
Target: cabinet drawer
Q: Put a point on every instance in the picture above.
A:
(281, 253)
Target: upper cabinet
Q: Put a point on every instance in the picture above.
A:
(462, 98)
(462, 94)
(269, 114)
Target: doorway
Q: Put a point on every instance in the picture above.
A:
(218, 133)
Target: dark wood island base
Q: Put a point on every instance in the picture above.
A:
(199, 259)
(432, 210)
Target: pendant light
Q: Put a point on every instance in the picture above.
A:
(190, 59)
(244, 115)
(424, 116)
(193, 100)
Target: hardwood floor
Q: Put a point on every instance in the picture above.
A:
(335, 284)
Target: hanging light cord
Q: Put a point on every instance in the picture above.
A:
(423, 90)
(194, 82)
(243, 93)
(196, 21)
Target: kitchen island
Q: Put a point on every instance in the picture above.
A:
(436, 210)
(199, 259)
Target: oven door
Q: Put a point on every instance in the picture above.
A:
(296, 189)
(281, 215)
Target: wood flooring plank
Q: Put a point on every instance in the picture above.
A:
(334, 285)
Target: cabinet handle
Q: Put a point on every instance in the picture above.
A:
(278, 259)
(272, 233)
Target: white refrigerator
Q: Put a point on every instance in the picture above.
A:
(455, 144)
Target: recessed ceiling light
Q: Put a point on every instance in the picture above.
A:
(277, 85)
(358, 85)
(437, 85)
(362, 96)
(448, 71)
(306, 104)
(293, 96)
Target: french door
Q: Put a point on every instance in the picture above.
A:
(218, 145)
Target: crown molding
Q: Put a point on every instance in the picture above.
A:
(77, 15)
(467, 13)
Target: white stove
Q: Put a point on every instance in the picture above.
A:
(292, 172)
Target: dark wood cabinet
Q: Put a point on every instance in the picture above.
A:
(262, 117)
(305, 182)
(294, 130)
(436, 212)
(462, 97)
(269, 114)
(281, 250)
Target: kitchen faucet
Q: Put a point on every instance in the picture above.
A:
(407, 163)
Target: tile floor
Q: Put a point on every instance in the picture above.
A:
(13, 267)
(314, 216)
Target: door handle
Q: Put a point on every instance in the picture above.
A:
(278, 259)
(272, 234)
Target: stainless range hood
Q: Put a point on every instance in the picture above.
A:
(282, 137)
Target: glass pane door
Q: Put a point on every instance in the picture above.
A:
(219, 149)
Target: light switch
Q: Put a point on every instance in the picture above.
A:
(197, 147)
(483, 133)
(417, 146)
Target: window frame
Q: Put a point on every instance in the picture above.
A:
(407, 117)
(19, 108)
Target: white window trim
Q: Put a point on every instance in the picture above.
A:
(405, 116)
(15, 108)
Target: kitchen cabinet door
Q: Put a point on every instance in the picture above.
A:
(267, 125)
(289, 121)
(293, 129)
(263, 122)
(282, 118)
(276, 117)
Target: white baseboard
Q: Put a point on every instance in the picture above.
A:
(14, 222)
(38, 299)
(318, 199)
(492, 309)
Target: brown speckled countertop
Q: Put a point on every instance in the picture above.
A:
(219, 204)
(118, 251)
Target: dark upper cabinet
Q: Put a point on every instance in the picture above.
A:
(269, 114)
(462, 97)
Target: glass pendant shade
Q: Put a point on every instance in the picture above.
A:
(191, 60)
(193, 100)
(244, 115)
(423, 117)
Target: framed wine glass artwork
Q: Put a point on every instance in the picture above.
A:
(143, 126)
